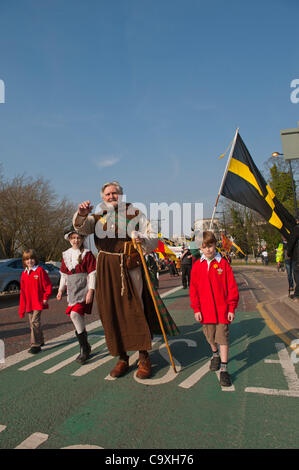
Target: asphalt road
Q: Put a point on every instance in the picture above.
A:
(50, 402)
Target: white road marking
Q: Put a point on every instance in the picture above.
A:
(33, 441)
(23, 355)
(83, 370)
(199, 374)
(196, 376)
(170, 374)
(47, 358)
(171, 291)
(289, 372)
(50, 356)
(67, 361)
(2, 352)
(82, 446)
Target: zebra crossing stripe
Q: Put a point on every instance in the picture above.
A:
(175, 289)
(50, 356)
(33, 441)
(23, 355)
(83, 370)
(62, 364)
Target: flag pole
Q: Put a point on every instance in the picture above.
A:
(224, 176)
(138, 248)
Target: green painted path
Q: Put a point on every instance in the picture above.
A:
(54, 403)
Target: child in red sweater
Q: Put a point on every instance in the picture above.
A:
(214, 297)
(36, 288)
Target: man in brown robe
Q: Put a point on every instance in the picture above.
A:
(125, 306)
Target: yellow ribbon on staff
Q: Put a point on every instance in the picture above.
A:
(221, 156)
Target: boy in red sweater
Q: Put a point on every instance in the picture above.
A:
(214, 297)
(36, 288)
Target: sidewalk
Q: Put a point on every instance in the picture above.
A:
(279, 311)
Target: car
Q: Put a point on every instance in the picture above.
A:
(11, 272)
(53, 273)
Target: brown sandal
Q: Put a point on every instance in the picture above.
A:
(120, 369)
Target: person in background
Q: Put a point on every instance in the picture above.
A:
(172, 268)
(178, 265)
(289, 266)
(152, 269)
(293, 253)
(186, 265)
(36, 289)
(265, 258)
(279, 257)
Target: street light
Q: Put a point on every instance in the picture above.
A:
(277, 154)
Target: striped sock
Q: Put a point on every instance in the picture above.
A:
(223, 367)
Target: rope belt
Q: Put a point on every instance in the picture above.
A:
(128, 249)
(122, 273)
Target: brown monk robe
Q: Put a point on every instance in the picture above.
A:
(124, 302)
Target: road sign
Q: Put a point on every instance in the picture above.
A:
(290, 143)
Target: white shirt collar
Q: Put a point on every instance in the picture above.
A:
(217, 257)
(32, 269)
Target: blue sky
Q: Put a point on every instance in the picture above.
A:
(148, 92)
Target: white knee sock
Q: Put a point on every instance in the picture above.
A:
(78, 321)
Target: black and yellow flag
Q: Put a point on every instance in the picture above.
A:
(245, 184)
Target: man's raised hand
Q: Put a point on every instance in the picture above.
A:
(84, 208)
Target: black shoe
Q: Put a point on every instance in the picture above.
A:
(85, 348)
(215, 363)
(225, 380)
(34, 350)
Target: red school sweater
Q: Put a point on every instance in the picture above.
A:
(35, 288)
(214, 291)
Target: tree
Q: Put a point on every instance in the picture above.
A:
(31, 216)
(248, 228)
(280, 180)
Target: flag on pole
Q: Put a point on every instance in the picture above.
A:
(238, 248)
(168, 241)
(226, 243)
(165, 250)
(243, 183)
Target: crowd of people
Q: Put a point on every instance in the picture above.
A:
(127, 305)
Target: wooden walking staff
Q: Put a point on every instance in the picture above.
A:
(138, 248)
